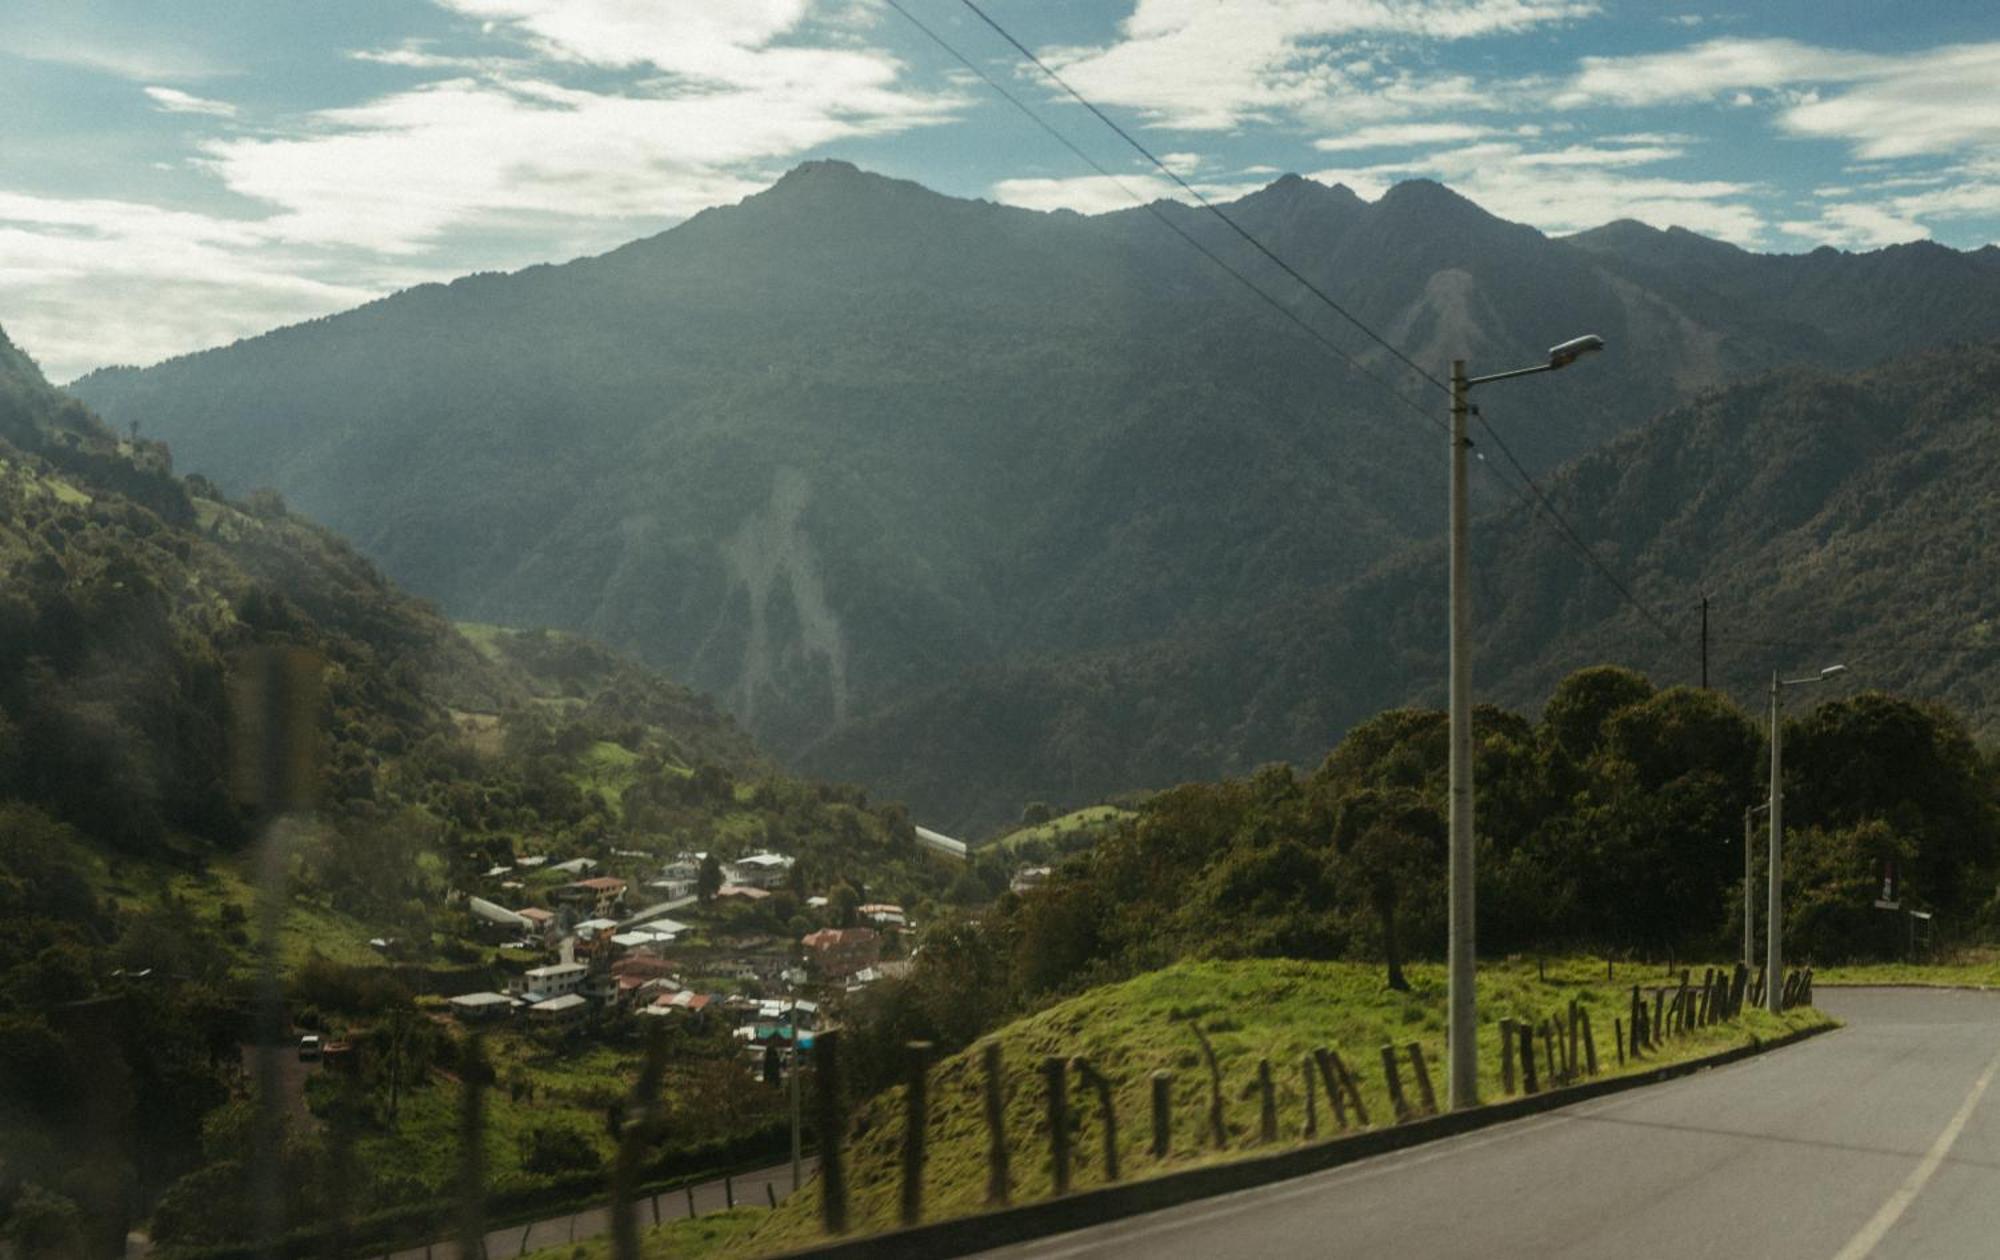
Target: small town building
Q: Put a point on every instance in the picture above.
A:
(1029, 877)
(475, 1008)
(559, 1010)
(555, 980)
(837, 953)
(759, 870)
(601, 896)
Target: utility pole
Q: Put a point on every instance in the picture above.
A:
(1461, 1005)
(1704, 643)
(792, 1084)
(1749, 888)
(1462, 1052)
(1774, 951)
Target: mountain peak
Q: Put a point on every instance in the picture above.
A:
(1429, 205)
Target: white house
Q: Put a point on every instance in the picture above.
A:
(540, 983)
(476, 1007)
(759, 870)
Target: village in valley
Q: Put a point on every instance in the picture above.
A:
(697, 938)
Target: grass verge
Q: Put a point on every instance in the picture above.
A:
(1976, 968)
(1251, 1011)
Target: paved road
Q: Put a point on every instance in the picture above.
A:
(1880, 1139)
(672, 1205)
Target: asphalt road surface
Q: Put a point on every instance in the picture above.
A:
(1879, 1139)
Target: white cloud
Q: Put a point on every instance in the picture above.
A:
(707, 97)
(1400, 135)
(175, 101)
(1938, 102)
(1706, 70)
(96, 280)
(1096, 194)
(1856, 225)
(603, 121)
(1199, 65)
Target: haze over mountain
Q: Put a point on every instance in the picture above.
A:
(836, 452)
(1828, 518)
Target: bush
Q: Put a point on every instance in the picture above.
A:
(552, 1151)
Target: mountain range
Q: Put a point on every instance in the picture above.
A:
(979, 504)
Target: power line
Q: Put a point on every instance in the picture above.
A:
(1563, 527)
(1206, 204)
(1569, 533)
(1139, 200)
(1534, 498)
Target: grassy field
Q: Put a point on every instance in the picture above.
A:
(1089, 819)
(1976, 968)
(223, 898)
(605, 770)
(1250, 1010)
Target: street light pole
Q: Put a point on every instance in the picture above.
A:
(1774, 923)
(1462, 1050)
(1749, 888)
(1774, 910)
(1462, 1039)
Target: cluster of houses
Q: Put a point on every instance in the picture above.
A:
(609, 957)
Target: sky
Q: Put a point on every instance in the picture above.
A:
(177, 176)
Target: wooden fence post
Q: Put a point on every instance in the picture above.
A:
(474, 1075)
(1658, 1030)
(1618, 1035)
(1528, 1085)
(728, 1192)
(1634, 1021)
(770, 1192)
(640, 1125)
(1328, 1078)
(1395, 1083)
(1507, 1056)
(1054, 1071)
(1574, 1013)
(996, 1128)
(832, 1127)
(1311, 1129)
(690, 1196)
(1423, 1075)
(1353, 1088)
(1267, 1104)
(1549, 1045)
(1163, 1120)
(1216, 1130)
(1589, 1047)
(1107, 1113)
(916, 1115)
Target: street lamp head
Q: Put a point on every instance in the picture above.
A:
(1833, 671)
(1570, 351)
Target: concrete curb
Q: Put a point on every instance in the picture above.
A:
(1005, 1226)
(1905, 984)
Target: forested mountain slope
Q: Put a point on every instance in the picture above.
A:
(849, 441)
(131, 600)
(1827, 517)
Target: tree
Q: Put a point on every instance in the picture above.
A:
(1392, 842)
(1582, 703)
(708, 880)
(1035, 813)
(843, 904)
